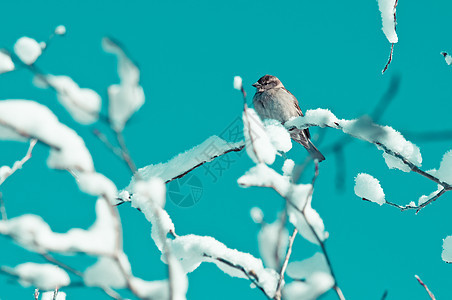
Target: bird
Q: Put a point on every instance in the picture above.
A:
(273, 101)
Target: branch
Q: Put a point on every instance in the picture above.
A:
(446, 186)
(125, 153)
(42, 76)
(233, 149)
(60, 264)
(302, 211)
(413, 167)
(122, 152)
(251, 275)
(415, 207)
(55, 294)
(425, 287)
(28, 136)
(392, 44)
(319, 240)
(378, 111)
(18, 164)
(47, 256)
(184, 163)
(286, 261)
(107, 290)
(389, 59)
(103, 138)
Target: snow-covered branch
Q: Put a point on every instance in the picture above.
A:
(190, 251)
(389, 20)
(183, 163)
(397, 151)
(24, 119)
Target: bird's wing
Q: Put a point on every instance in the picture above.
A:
(300, 113)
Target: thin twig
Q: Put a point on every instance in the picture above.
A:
(107, 290)
(414, 207)
(314, 178)
(389, 59)
(251, 275)
(425, 287)
(60, 264)
(55, 294)
(314, 232)
(385, 294)
(119, 246)
(166, 251)
(125, 153)
(18, 164)
(235, 149)
(413, 167)
(103, 138)
(312, 229)
(28, 136)
(392, 44)
(284, 266)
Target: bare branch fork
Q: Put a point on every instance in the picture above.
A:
(414, 168)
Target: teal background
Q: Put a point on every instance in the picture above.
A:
(329, 54)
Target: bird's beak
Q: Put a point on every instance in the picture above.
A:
(256, 85)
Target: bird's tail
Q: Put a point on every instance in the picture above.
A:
(315, 153)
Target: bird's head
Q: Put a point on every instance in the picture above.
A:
(267, 82)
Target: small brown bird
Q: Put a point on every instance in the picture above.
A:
(273, 101)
